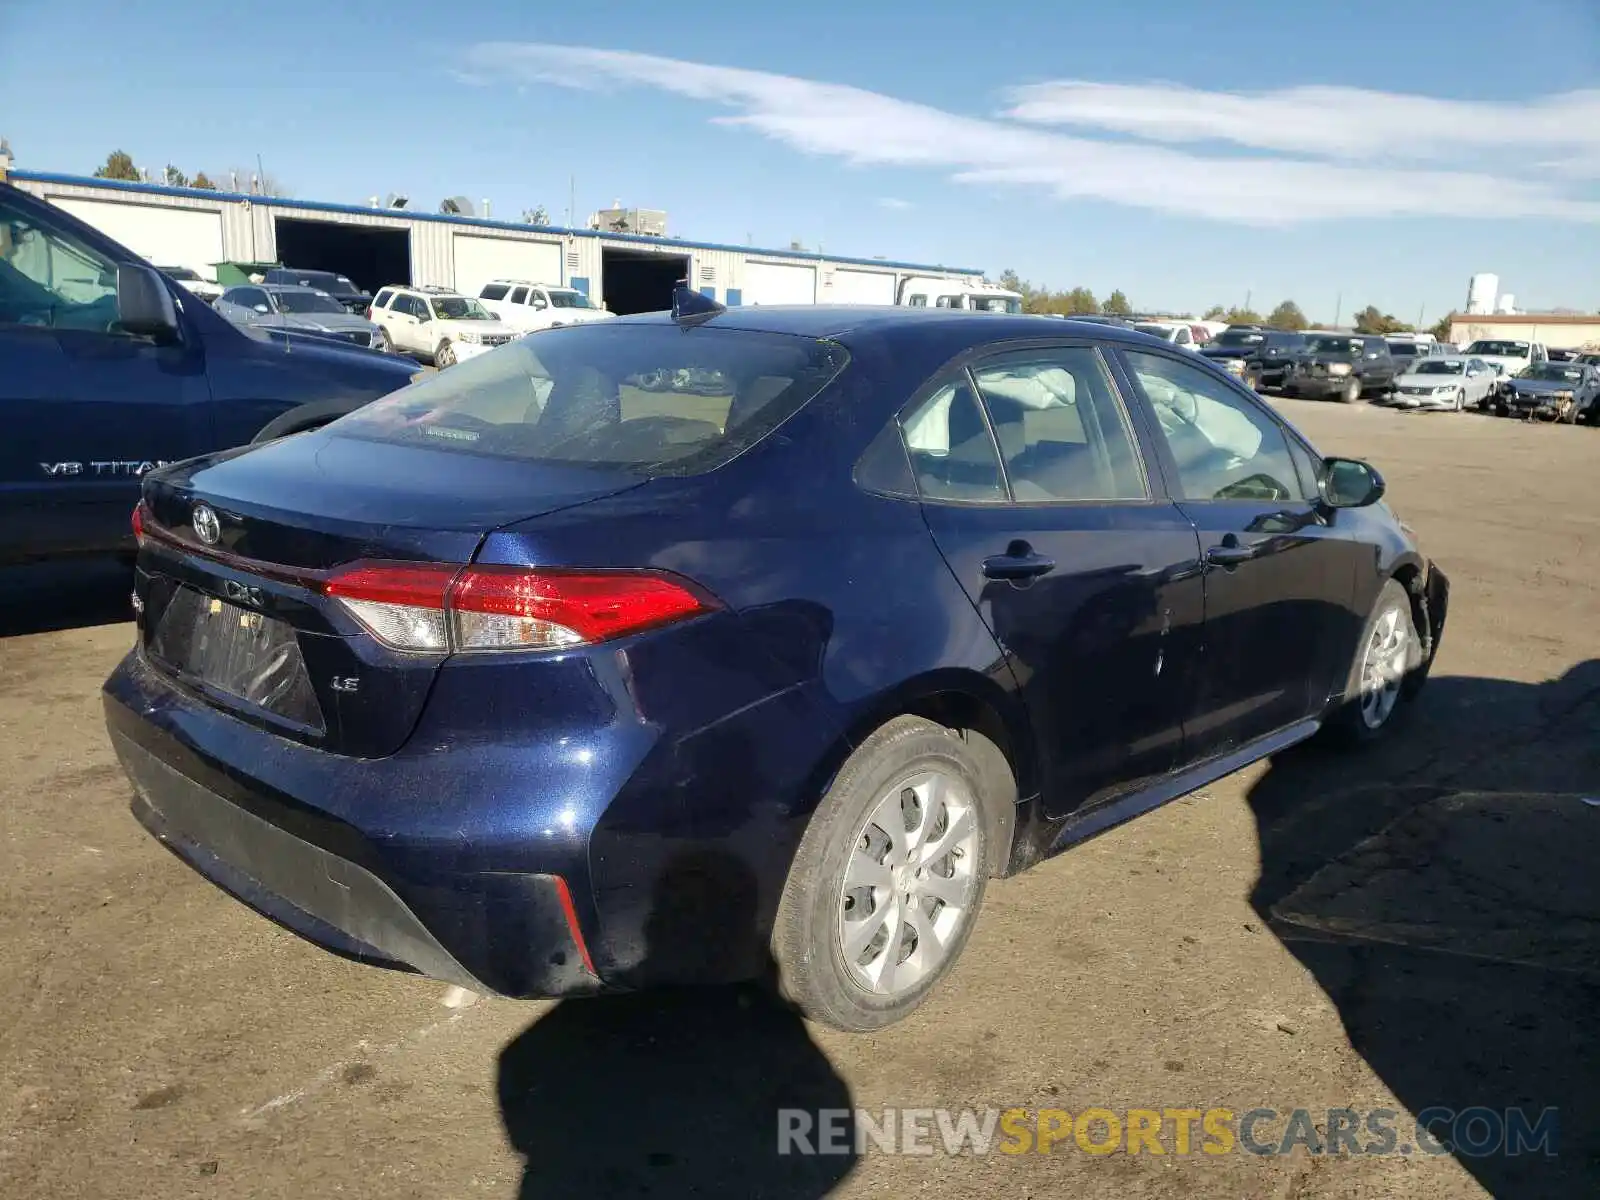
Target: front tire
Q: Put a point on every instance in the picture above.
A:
(444, 356)
(1461, 401)
(1388, 653)
(1351, 393)
(889, 877)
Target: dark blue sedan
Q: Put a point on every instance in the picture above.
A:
(544, 676)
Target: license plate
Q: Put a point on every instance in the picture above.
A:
(245, 654)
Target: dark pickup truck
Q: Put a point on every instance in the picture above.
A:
(1261, 357)
(1342, 366)
(108, 369)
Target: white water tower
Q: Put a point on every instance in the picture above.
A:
(1508, 305)
(1481, 293)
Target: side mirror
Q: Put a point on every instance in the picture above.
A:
(262, 308)
(144, 306)
(1349, 483)
(538, 302)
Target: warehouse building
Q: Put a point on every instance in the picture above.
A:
(1563, 331)
(374, 246)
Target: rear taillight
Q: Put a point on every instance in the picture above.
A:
(368, 313)
(438, 608)
(138, 523)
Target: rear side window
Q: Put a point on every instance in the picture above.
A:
(1061, 432)
(382, 299)
(647, 399)
(952, 453)
(520, 296)
(493, 291)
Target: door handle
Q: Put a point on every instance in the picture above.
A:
(1230, 553)
(1019, 562)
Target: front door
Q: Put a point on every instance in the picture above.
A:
(1278, 575)
(1034, 488)
(88, 409)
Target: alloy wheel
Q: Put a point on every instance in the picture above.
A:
(909, 883)
(1383, 668)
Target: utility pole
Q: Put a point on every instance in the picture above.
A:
(1338, 309)
(1247, 295)
(1421, 313)
(261, 174)
(572, 201)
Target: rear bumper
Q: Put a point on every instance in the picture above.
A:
(512, 933)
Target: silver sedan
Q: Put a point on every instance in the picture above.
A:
(309, 310)
(1450, 383)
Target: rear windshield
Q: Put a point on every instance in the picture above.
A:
(1237, 337)
(648, 399)
(1441, 366)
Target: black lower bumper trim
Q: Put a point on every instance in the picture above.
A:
(314, 893)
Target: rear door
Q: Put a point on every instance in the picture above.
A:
(1279, 571)
(1033, 484)
(88, 409)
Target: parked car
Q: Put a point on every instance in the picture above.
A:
(1261, 357)
(301, 308)
(1408, 352)
(1342, 366)
(1452, 383)
(1177, 332)
(192, 280)
(1509, 356)
(338, 286)
(1557, 355)
(438, 325)
(527, 306)
(108, 369)
(575, 688)
(1555, 391)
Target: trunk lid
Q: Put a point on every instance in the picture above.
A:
(239, 546)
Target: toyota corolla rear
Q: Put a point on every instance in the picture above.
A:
(418, 687)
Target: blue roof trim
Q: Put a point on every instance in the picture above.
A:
(159, 189)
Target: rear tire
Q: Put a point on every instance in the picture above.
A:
(889, 877)
(1388, 653)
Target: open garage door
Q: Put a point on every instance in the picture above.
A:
(636, 281)
(479, 259)
(862, 287)
(779, 283)
(167, 237)
(370, 256)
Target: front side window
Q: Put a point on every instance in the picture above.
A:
(645, 399)
(952, 453)
(51, 280)
(1060, 428)
(918, 301)
(459, 308)
(1224, 447)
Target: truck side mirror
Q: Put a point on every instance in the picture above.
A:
(144, 306)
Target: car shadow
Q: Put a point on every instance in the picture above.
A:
(673, 1092)
(72, 594)
(1442, 887)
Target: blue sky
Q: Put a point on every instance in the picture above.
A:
(1155, 147)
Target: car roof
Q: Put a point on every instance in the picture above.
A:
(838, 320)
(284, 288)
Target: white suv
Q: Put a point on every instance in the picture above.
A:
(437, 325)
(527, 306)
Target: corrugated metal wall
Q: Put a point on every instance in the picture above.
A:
(250, 235)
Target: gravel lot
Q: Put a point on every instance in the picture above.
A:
(1411, 927)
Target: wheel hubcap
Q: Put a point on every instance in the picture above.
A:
(1383, 668)
(909, 884)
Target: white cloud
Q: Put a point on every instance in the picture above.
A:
(864, 127)
(1326, 122)
(894, 203)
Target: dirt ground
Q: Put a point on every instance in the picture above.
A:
(1398, 929)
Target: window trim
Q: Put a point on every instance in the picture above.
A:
(1169, 465)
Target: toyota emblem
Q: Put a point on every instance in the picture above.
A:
(206, 526)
